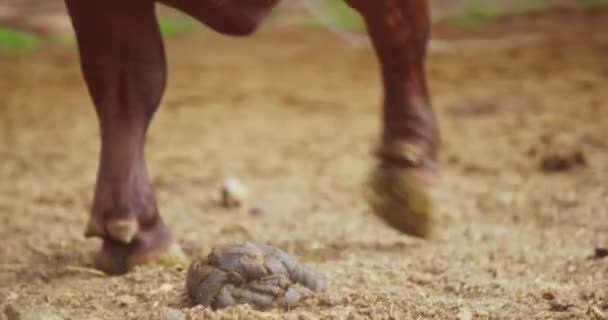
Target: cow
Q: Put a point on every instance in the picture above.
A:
(124, 66)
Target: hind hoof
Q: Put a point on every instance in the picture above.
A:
(402, 197)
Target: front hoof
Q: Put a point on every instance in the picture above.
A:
(151, 246)
(402, 197)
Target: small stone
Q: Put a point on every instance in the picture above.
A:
(12, 296)
(233, 193)
(165, 287)
(167, 313)
(464, 314)
(138, 277)
(257, 209)
(125, 300)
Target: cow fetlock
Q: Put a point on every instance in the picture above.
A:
(123, 222)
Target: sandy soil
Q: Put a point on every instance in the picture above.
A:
(294, 114)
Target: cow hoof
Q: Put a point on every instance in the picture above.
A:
(151, 246)
(402, 197)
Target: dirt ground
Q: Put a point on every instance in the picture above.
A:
(294, 114)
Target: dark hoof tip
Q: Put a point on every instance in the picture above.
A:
(151, 246)
(117, 262)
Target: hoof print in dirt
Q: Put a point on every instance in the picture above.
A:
(260, 275)
(562, 162)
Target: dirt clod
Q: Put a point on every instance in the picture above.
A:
(11, 313)
(548, 295)
(562, 162)
(600, 253)
(247, 273)
(559, 306)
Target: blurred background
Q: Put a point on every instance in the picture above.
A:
(520, 89)
(18, 17)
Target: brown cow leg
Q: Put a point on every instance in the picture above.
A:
(231, 17)
(123, 63)
(401, 183)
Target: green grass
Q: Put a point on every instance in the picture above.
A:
(344, 15)
(341, 15)
(172, 26)
(476, 14)
(533, 6)
(592, 4)
(16, 42)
